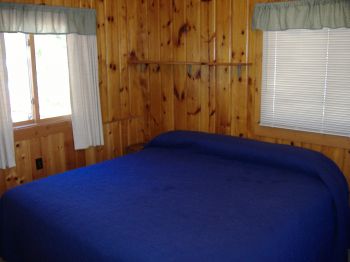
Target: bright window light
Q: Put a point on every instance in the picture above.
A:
(52, 75)
(18, 76)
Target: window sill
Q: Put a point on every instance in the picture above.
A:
(42, 128)
(304, 137)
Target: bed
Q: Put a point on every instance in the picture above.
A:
(187, 196)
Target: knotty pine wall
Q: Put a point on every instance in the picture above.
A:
(206, 98)
(141, 101)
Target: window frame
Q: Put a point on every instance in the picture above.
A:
(36, 121)
(281, 133)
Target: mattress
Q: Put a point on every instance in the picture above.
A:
(187, 196)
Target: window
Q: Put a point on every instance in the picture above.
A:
(38, 76)
(306, 80)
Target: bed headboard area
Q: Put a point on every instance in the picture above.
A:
(286, 156)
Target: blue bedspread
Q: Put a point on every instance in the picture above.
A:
(186, 197)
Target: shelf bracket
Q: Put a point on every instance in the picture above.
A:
(189, 70)
(144, 67)
(239, 70)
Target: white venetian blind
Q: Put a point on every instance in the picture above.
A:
(306, 80)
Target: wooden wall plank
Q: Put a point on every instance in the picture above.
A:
(239, 76)
(207, 51)
(193, 53)
(166, 54)
(122, 17)
(73, 157)
(118, 140)
(11, 178)
(180, 30)
(53, 153)
(136, 132)
(204, 88)
(346, 165)
(90, 156)
(102, 68)
(155, 114)
(109, 141)
(112, 59)
(251, 82)
(71, 3)
(223, 73)
(137, 25)
(212, 58)
(204, 102)
(23, 161)
(83, 3)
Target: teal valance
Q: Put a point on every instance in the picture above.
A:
(306, 14)
(42, 19)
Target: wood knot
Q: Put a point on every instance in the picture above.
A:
(132, 55)
(183, 30)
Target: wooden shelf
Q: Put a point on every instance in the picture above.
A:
(146, 62)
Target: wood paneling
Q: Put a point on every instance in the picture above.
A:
(223, 73)
(166, 71)
(217, 98)
(141, 101)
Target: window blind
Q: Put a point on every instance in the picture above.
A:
(306, 80)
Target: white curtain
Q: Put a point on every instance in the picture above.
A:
(85, 98)
(80, 27)
(7, 156)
